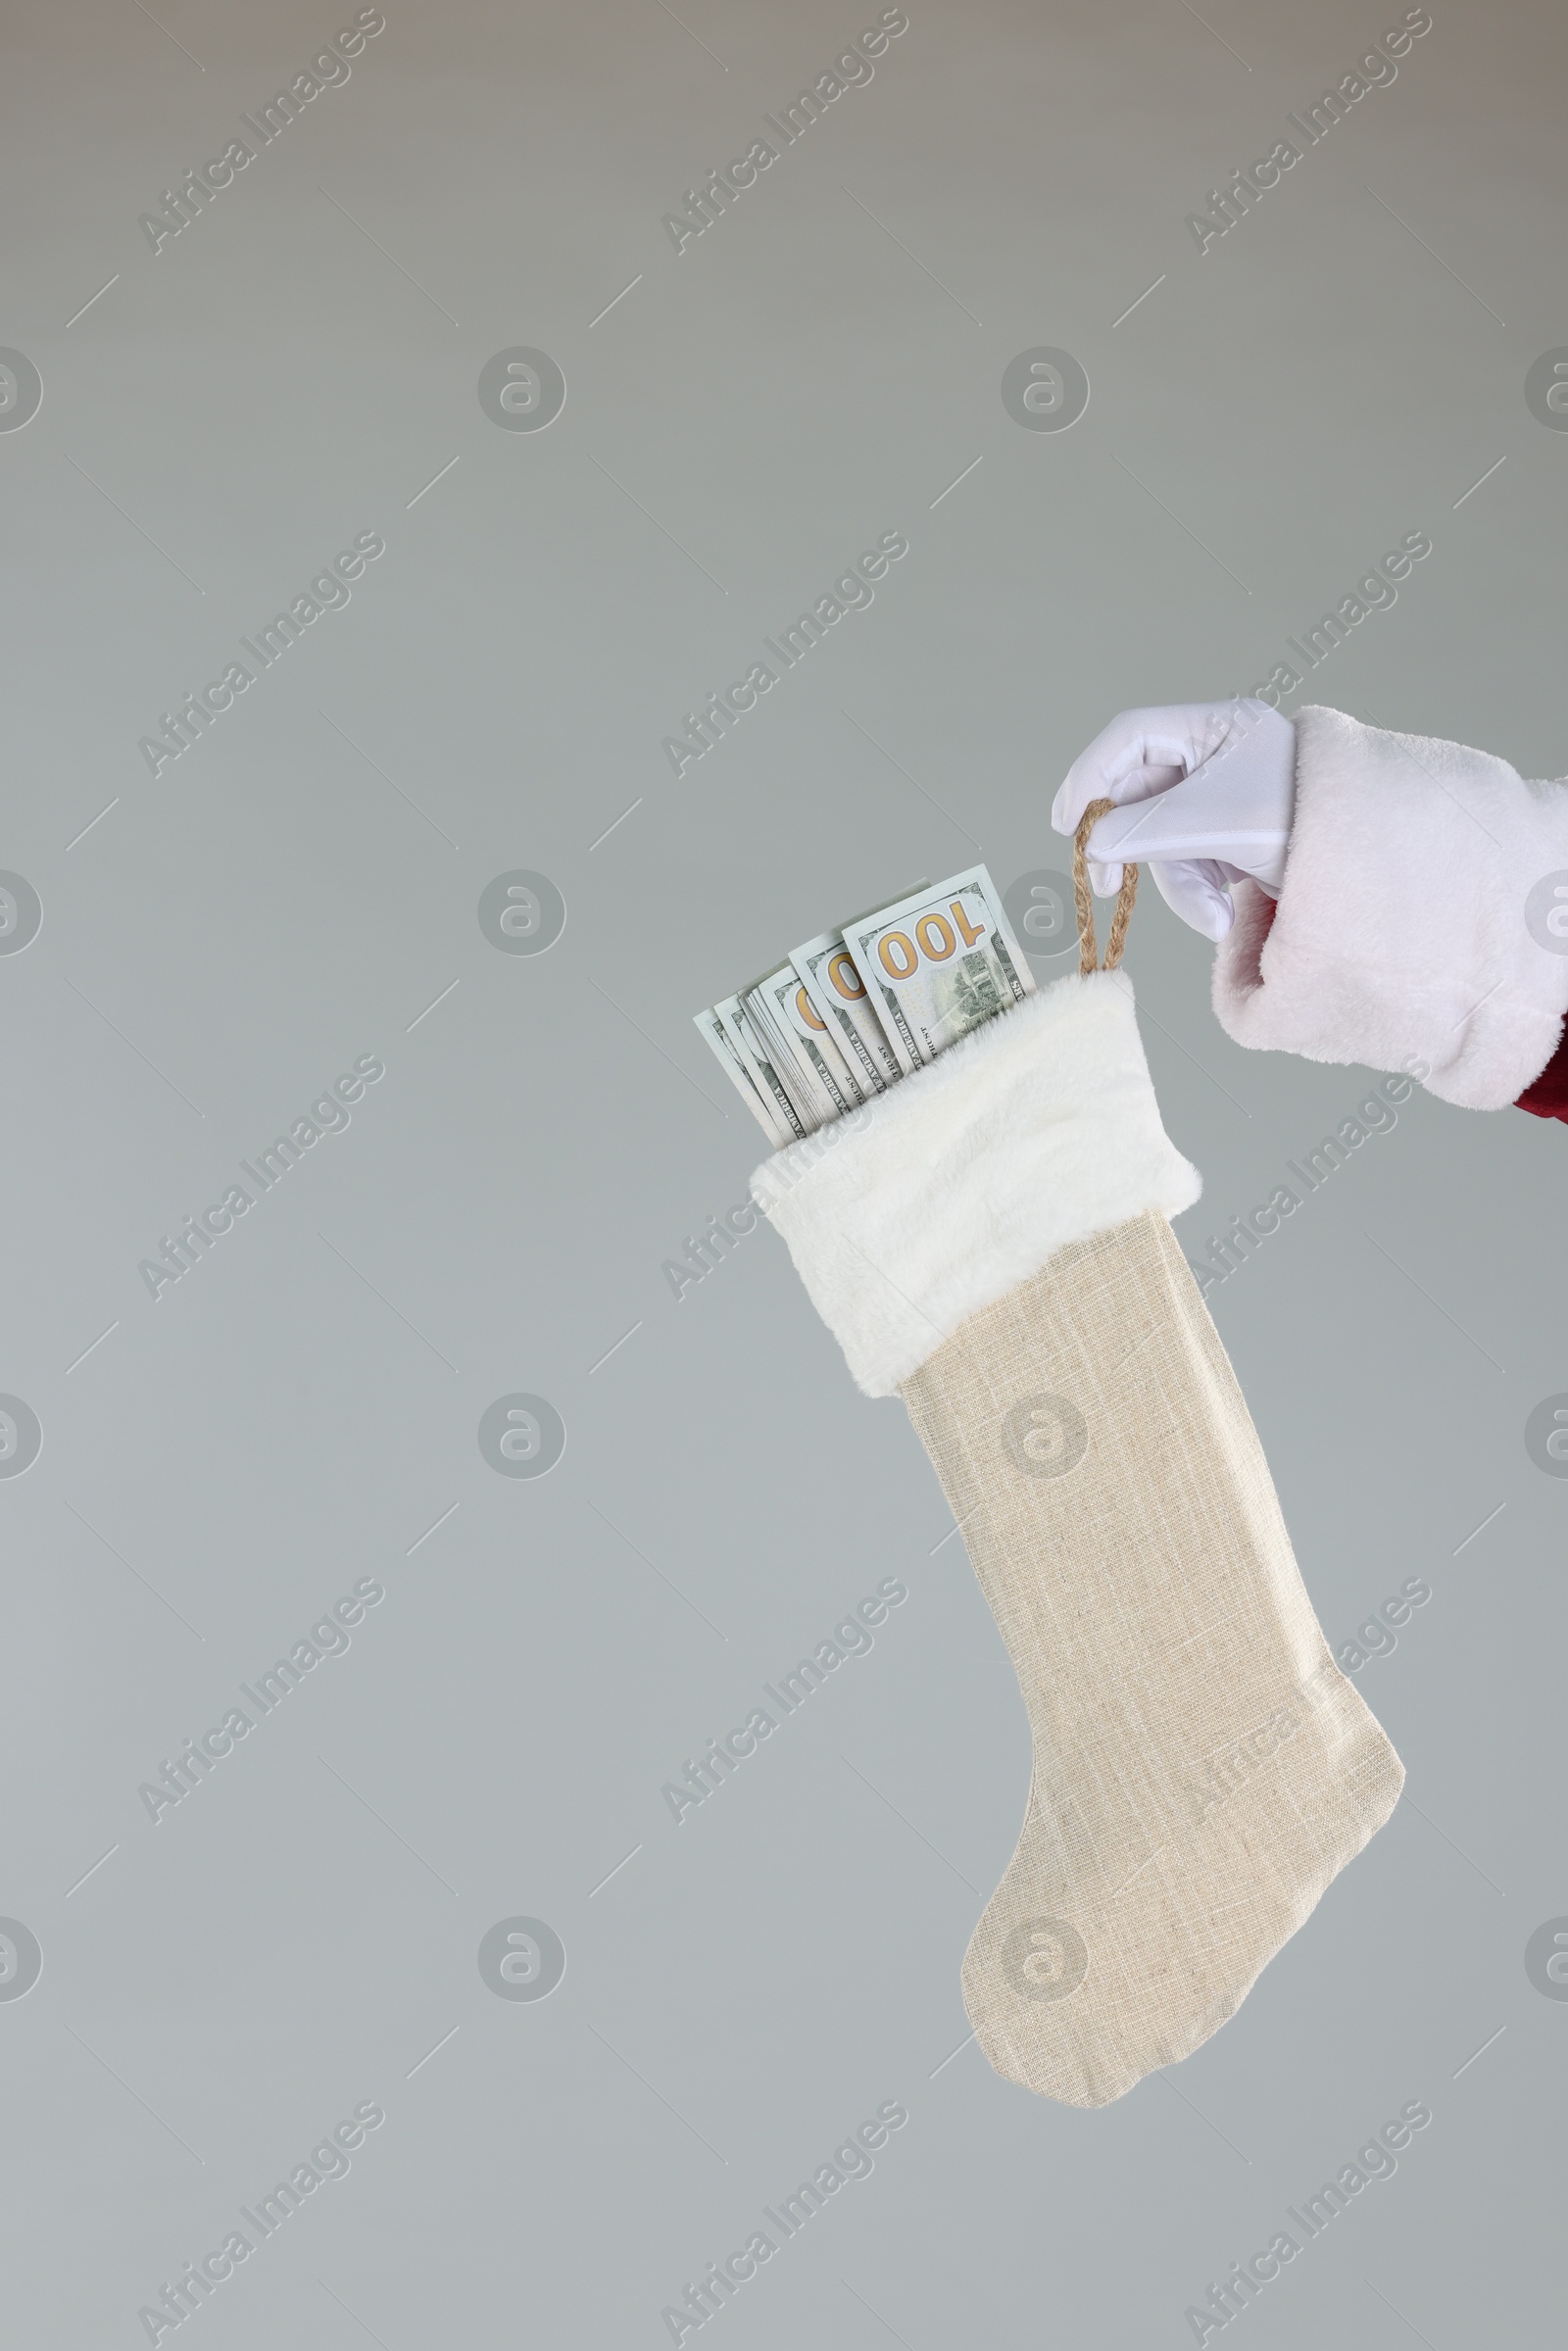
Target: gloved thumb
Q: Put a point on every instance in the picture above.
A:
(1194, 888)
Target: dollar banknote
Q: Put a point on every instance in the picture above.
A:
(812, 1067)
(809, 1112)
(725, 1050)
(811, 1035)
(857, 1008)
(777, 1115)
(839, 994)
(938, 963)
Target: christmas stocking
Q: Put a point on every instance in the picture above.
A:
(989, 1239)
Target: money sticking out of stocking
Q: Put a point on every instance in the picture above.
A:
(992, 1242)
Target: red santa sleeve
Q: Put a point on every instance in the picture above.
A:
(1548, 1097)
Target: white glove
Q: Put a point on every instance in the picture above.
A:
(1204, 793)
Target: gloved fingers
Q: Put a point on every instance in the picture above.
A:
(1200, 818)
(1138, 753)
(1128, 790)
(1106, 880)
(1194, 888)
(1236, 808)
(1145, 751)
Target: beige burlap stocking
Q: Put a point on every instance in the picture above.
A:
(1202, 1769)
(990, 1240)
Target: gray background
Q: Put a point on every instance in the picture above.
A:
(298, 1934)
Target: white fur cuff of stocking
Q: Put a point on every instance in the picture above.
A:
(1402, 932)
(1039, 1129)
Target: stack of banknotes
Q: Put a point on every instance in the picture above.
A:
(852, 1012)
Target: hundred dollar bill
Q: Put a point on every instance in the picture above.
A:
(815, 1070)
(759, 1068)
(809, 1034)
(809, 1112)
(938, 963)
(839, 994)
(727, 1054)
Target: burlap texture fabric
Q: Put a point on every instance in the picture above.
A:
(1202, 1767)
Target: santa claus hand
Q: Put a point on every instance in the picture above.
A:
(1205, 795)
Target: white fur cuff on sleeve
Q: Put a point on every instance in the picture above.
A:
(910, 1215)
(1407, 930)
